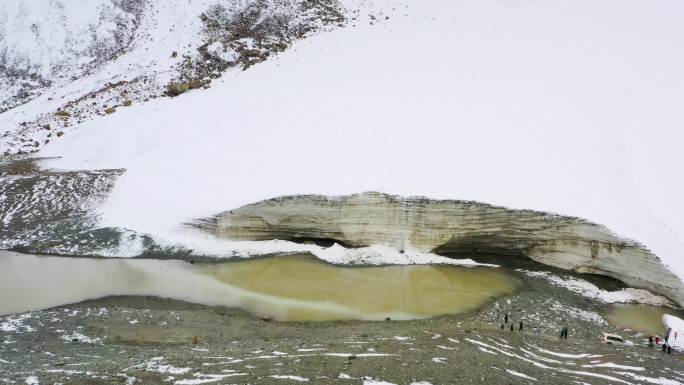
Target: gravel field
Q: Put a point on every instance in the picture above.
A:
(151, 340)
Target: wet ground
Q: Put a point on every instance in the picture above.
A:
(151, 341)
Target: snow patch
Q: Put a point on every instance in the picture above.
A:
(370, 381)
(590, 290)
(575, 312)
(78, 337)
(522, 375)
(650, 380)
(614, 366)
(564, 355)
(154, 365)
(289, 377)
(16, 323)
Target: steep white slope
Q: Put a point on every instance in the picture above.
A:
(67, 45)
(64, 63)
(50, 43)
(572, 107)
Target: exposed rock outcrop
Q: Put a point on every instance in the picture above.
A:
(451, 227)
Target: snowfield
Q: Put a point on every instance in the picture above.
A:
(50, 43)
(571, 107)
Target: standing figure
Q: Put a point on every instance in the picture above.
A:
(521, 326)
(650, 341)
(506, 318)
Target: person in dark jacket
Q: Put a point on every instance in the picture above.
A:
(511, 326)
(521, 326)
(506, 318)
(650, 341)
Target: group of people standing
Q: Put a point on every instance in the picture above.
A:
(667, 348)
(506, 318)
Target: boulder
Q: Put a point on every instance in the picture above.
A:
(175, 89)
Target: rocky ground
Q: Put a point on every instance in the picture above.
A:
(150, 340)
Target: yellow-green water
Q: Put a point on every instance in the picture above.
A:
(291, 288)
(644, 319)
(376, 292)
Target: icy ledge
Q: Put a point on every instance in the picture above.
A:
(202, 245)
(422, 225)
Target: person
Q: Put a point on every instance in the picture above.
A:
(664, 347)
(561, 334)
(650, 341)
(506, 318)
(511, 326)
(669, 349)
(657, 338)
(566, 333)
(675, 336)
(521, 326)
(502, 327)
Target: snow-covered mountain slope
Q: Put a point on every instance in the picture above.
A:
(50, 43)
(559, 106)
(62, 63)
